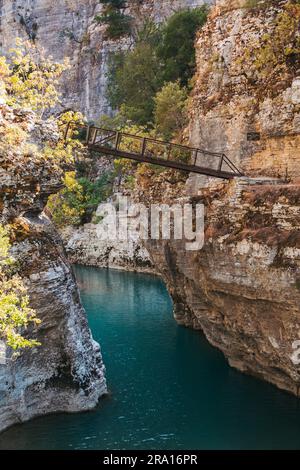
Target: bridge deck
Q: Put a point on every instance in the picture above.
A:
(156, 152)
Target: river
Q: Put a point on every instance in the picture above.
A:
(168, 388)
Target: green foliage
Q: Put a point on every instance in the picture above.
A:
(162, 54)
(76, 202)
(15, 312)
(170, 109)
(118, 24)
(176, 50)
(134, 81)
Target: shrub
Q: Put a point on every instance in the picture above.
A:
(76, 202)
(118, 24)
(278, 52)
(15, 312)
(282, 47)
(170, 109)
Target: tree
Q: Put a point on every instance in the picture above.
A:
(118, 24)
(31, 79)
(15, 312)
(135, 82)
(170, 109)
(80, 197)
(162, 54)
(176, 49)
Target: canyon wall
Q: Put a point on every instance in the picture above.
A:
(67, 28)
(242, 288)
(251, 116)
(65, 373)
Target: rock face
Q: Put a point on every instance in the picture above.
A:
(66, 372)
(67, 28)
(252, 118)
(84, 247)
(242, 288)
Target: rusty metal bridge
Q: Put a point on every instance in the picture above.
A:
(156, 152)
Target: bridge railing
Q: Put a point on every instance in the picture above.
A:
(152, 148)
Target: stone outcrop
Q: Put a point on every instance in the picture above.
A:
(242, 288)
(83, 246)
(253, 119)
(67, 28)
(66, 372)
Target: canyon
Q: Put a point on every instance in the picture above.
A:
(242, 288)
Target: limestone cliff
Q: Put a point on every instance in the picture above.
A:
(83, 246)
(67, 28)
(241, 108)
(66, 372)
(242, 288)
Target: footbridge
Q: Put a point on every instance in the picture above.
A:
(119, 144)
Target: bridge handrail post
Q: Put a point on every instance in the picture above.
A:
(144, 145)
(118, 140)
(221, 162)
(95, 135)
(88, 131)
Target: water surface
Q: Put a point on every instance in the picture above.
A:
(169, 389)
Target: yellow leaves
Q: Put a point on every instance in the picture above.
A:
(4, 68)
(32, 80)
(4, 246)
(11, 136)
(71, 183)
(71, 117)
(15, 311)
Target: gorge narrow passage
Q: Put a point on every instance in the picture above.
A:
(168, 387)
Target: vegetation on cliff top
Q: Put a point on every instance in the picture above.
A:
(276, 56)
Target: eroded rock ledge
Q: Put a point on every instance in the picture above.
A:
(66, 373)
(84, 247)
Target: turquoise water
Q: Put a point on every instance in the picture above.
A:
(169, 389)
